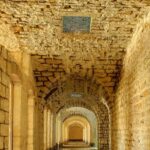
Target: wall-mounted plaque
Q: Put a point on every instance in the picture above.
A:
(76, 24)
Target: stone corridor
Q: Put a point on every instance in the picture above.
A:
(74, 74)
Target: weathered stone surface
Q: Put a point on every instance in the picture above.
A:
(1, 143)
(130, 117)
(83, 63)
(37, 26)
(4, 130)
(2, 116)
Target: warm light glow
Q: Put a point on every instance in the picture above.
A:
(76, 127)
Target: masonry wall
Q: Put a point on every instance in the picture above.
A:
(131, 114)
(103, 130)
(5, 69)
(25, 109)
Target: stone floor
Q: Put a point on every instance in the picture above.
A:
(78, 149)
(77, 146)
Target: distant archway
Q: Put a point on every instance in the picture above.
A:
(76, 128)
(75, 132)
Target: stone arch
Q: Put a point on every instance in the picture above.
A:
(79, 128)
(48, 127)
(84, 112)
(75, 114)
(80, 120)
(94, 95)
(60, 83)
(77, 110)
(103, 121)
(93, 88)
(73, 103)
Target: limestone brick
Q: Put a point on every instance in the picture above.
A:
(1, 142)
(6, 142)
(131, 111)
(86, 64)
(111, 30)
(5, 79)
(6, 117)
(3, 90)
(8, 74)
(3, 62)
(5, 105)
(2, 116)
(4, 130)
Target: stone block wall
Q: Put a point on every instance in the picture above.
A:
(26, 129)
(103, 130)
(131, 114)
(5, 69)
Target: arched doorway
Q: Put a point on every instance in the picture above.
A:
(76, 128)
(89, 105)
(75, 132)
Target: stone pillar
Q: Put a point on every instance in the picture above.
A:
(10, 144)
(45, 128)
(61, 140)
(31, 122)
(54, 130)
(58, 130)
(49, 129)
(17, 108)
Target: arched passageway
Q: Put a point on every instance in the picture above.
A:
(76, 128)
(75, 132)
(71, 76)
(67, 104)
(87, 120)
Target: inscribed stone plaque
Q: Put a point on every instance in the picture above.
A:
(76, 24)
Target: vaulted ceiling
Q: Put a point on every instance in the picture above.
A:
(96, 56)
